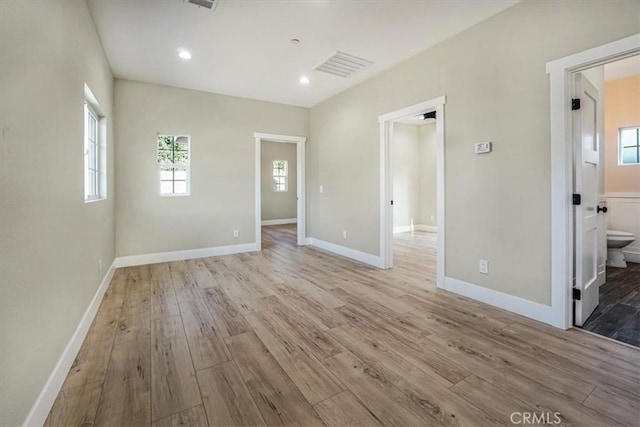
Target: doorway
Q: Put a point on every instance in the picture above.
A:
(278, 183)
(563, 137)
(433, 112)
(610, 304)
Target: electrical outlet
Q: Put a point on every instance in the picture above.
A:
(344, 235)
(432, 217)
(99, 266)
(236, 233)
(322, 188)
(484, 266)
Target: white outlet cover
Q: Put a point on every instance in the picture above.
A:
(484, 266)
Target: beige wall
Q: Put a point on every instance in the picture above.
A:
(50, 240)
(414, 175)
(622, 109)
(278, 204)
(428, 214)
(406, 175)
(222, 166)
(493, 75)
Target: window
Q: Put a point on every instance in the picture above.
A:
(173, 160)
(280, 175)
(95, 182)
(629, 139)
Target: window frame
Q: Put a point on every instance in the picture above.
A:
(284, 175)
(94, 151)
(636, 146)
(173, 165)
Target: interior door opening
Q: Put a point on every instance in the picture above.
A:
(279, 192)
(412, 181)
(414, 209)
(606, 222)
(280, 185)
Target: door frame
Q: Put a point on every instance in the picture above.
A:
(562, 228)
(386, 181)
(300, 142)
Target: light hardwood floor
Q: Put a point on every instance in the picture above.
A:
(297, 336)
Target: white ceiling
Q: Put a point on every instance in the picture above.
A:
(243, 47)
(624, 68)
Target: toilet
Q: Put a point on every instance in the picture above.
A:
(616, 240)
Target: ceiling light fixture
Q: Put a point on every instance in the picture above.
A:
(184, 54)
(304, 80)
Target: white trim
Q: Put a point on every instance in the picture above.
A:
(346, 252)
(530, 309)
(415, 227)
(279, 221)
(130, 261)
(429, 228)
(40, 409)
(622, 195)
(386, 181)
(301, 183)
(560, 72)
(402, 229)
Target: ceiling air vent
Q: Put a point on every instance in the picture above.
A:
(342, 64)
(204, 3)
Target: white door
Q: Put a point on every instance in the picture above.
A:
(587, 224)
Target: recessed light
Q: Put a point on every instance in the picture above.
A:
(184, 54)
(304, 80)
(294, 41)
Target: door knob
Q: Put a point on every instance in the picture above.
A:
(601, 209)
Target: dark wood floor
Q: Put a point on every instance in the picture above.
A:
(618, 314)
(300, 337)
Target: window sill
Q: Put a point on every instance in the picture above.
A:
(175, 195)
(94, 200)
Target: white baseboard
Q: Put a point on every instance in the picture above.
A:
(40, 410)
(402, 229)
(530, 309)
(364, 257)
(632, 255)
(430, 228)
(280, 221)
(130, 261)
(416, 227)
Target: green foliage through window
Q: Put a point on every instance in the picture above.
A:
(173, 158)
(280, 175)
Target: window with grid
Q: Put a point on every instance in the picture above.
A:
(629, 145)
(280, 174)
(173, 160)
(94, 163)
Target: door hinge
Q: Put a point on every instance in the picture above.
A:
(577, 294)
(577, 199)
(575, 104)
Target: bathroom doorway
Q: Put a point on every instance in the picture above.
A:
(607, 213)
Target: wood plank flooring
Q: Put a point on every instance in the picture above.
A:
(618, 314)
(299, 337)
